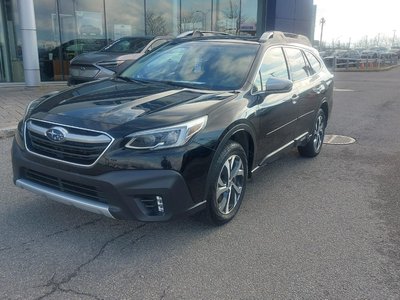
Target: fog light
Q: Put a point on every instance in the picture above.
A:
(160, 204)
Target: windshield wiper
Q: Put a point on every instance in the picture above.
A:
(187, 84)
(197, 85)
(129, 79)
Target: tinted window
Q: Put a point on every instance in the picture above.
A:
(298, 67)
(131, 45)
(273, 65)
(314, 62)
(218, 66)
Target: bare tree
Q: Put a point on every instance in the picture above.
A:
(233, 12)
(155, 24)
(380, 40)
(193, 18)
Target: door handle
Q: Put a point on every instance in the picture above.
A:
(294, 98)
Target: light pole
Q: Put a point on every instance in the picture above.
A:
(322, 22)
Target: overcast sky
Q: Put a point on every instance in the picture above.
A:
(356, 19)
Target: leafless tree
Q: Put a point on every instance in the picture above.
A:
(193, 18)
(155, 24)
(380, 40)
(233, 12)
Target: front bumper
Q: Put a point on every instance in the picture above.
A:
(120, 194)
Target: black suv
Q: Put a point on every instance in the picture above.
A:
(179, 131)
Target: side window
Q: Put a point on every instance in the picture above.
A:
(122, 46)
(314, 62)
(273, 65)
(298, 66)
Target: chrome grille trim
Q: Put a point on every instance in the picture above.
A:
(70, 136)
(51, 124)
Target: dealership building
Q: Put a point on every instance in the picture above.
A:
(38, 38)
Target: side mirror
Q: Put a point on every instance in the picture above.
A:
(278, 85)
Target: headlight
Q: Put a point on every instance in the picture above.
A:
(167, 137)
(111, 65)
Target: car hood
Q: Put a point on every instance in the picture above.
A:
(99, 56)
(112, 104)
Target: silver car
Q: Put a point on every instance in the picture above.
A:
(111, 59)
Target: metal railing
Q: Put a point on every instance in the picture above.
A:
(361, 64)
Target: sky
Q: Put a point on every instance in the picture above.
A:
(356, 19)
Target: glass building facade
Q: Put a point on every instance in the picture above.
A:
(66, 28)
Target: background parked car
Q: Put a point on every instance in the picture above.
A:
(344, 58)
(54, 61)
(369, 53)
(113, 58)
(396, 50)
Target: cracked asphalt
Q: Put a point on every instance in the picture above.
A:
(324, 228)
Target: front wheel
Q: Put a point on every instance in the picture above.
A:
(314, 145)
(227, 184)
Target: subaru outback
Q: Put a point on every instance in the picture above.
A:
(179, 131)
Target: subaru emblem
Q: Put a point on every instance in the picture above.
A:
(56, 134)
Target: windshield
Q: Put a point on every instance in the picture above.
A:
(197, 64)
(128, 45)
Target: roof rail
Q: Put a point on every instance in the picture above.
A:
(199, 33)
(284, 37)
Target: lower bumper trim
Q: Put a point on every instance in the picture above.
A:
(79, 202)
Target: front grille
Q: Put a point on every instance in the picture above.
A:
(62, 185)
(88, 71)
(80, 146)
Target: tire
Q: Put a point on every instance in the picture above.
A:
(226, 188)
(314, 145)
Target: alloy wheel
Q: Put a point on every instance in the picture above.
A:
(230, 184)
(319, 133)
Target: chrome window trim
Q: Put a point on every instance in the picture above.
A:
(75, 127)
(260, 64)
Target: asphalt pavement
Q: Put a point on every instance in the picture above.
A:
(322, 228)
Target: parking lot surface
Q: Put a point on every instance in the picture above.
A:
(323, 228)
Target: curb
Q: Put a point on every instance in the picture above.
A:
(6, 132)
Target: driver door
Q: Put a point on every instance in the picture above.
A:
(276, 112)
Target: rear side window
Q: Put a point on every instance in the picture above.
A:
(273, 65)
(314, 62)
(298, 66)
